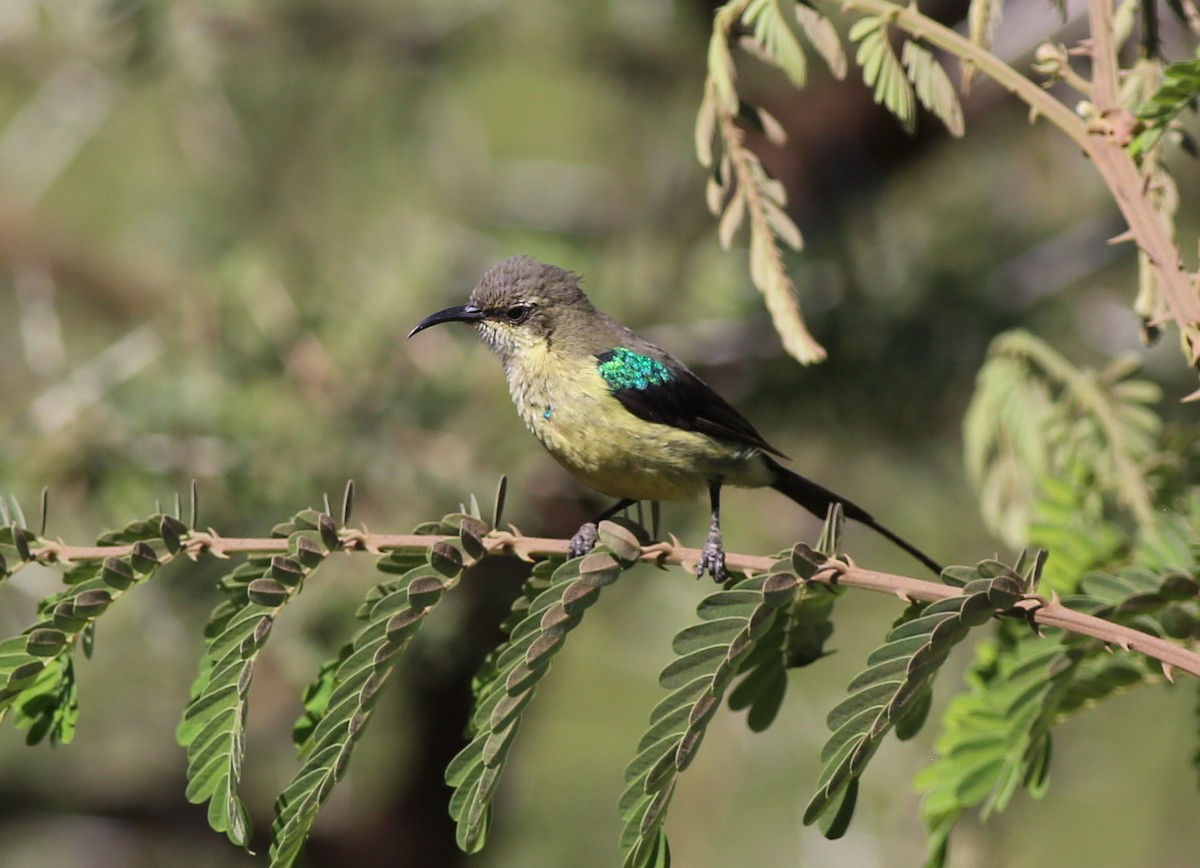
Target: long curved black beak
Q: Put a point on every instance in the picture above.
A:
(459, 313)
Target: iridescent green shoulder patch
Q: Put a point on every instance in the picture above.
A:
(622, 368)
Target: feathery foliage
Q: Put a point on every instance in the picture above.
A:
(895, 688)
(737, 626)
(1178, 91)
(882, 70)
(932, 85)
(551, 606)
(214, 724)
(775, 40)
(1034, 416)
(795, 638)
(338, 705)
(36, 668)
(739, 186)
(14, 548)
(996, 737)
(755, 630)
(898, 79)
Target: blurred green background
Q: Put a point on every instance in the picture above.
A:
(219, 219)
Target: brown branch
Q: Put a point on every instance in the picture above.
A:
(1103, 141)
(1105, 145)
(1047, 613)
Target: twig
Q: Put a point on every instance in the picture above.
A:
(1128, 187)
(1106, 150)
(1046, 613)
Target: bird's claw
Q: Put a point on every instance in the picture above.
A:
(584, 541)
(712, 558)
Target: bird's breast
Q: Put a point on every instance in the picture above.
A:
(569, 406)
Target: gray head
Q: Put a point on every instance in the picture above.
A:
(519, 304)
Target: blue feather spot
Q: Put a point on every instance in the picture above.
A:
(622, 368)
(547, 413)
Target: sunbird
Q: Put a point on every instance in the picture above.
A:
(621, 414)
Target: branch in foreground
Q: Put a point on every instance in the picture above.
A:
(1036, 609)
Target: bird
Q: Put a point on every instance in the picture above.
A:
(621, 414)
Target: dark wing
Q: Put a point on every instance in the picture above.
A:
(665, 392)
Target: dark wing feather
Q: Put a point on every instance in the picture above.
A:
(685, 401)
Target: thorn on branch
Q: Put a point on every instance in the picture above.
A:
(832, 570)
(51, 552)
(1119, 125)
(513, 540)
(199, 541)
(662, 551)
(1082, 48)
(355, 539)
(1026, 609)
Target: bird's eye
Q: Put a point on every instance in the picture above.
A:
(518, 313)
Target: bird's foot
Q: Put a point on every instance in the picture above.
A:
(584, 541)
(712, 558)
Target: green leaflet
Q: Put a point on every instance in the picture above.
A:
(991, 735)
(894, 691)
(824, 38)
(742, 630)
(1034, 417)
(933, 87)
(37, 673)
(14, 546)
(1067, 522)
(739, 186)
(338, 708)
(794, 639)
(775, 36)
(1179, 88)
(213, 724)
(340, 701)
(882, 70)
(551, 606)
(996, 738)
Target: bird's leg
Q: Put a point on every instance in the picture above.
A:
(712, 556)
(587, 536)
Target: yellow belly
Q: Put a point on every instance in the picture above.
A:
(605, 446)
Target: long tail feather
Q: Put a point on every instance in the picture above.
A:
(817, 499)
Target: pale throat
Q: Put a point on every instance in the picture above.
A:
(527, 371)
